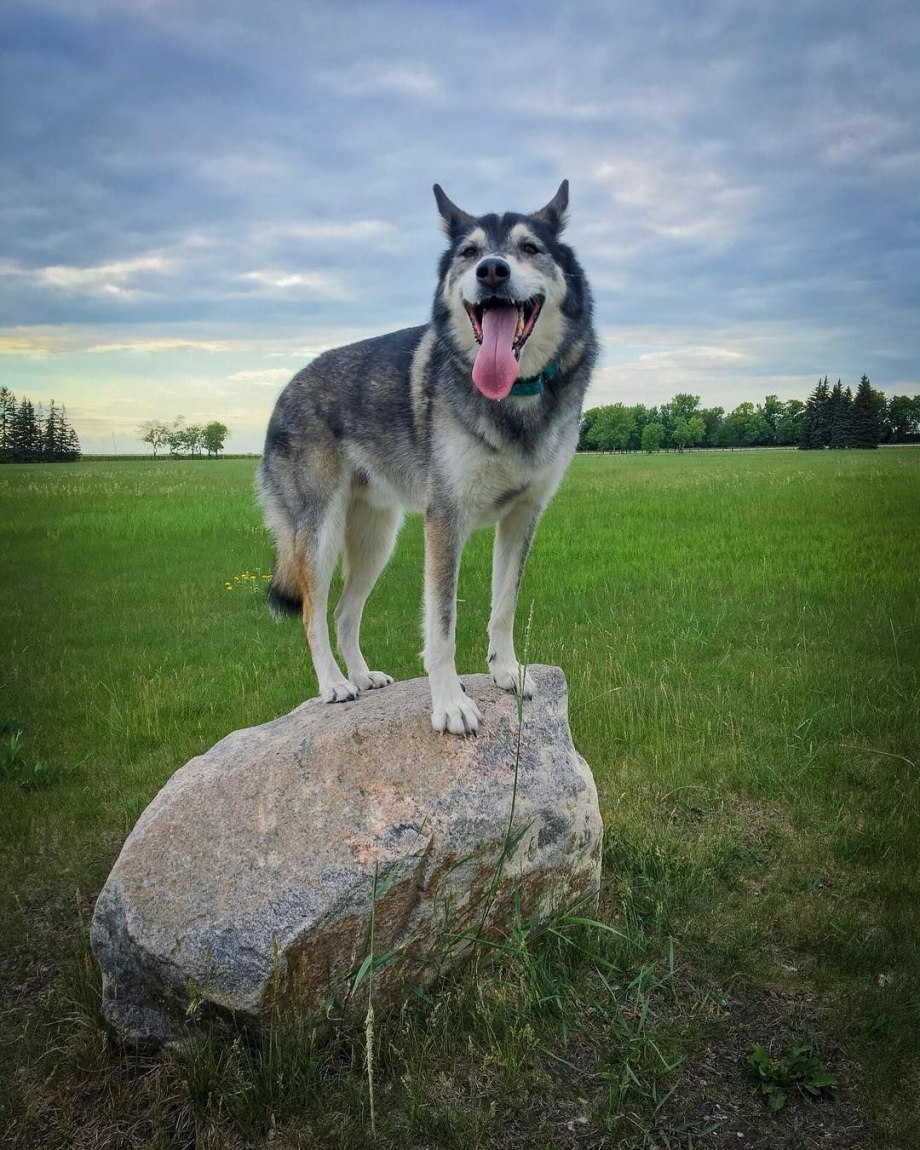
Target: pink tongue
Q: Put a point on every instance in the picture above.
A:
(496, 369)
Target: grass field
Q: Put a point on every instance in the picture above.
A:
(741, 636)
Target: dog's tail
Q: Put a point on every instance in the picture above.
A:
(282, 601)
(286, 590)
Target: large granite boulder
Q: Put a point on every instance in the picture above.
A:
(248, 882)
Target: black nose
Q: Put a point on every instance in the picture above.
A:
(492, 271)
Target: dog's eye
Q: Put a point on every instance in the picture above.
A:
(529, 248)
(469, 251)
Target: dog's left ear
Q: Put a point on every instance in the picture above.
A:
(455, 219)
(554, 214)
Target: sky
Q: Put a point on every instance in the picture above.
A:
(198, 196)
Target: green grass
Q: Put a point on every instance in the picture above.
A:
(740, 633)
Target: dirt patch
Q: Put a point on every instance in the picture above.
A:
(718, 1097)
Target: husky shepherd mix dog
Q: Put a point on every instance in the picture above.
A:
(470, 419)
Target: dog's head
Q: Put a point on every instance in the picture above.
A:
(508, 290)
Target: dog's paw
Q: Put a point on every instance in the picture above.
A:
(509, 679)
(459, 715)
(371, 680)
(341, 691)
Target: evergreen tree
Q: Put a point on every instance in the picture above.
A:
(848, 428)
(841, 416)
(39, 431)
(816, 425)
(26, 434)
(7, 423)
(52, 435)
(867, 430)
(69, 440)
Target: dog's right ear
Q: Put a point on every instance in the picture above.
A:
(455, 219)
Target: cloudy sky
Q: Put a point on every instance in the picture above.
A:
(198, 195)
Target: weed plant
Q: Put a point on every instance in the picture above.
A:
(740, 633)
(800, 1068)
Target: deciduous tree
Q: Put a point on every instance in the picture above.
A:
(156, 433)
(214, 435)
(652, 436)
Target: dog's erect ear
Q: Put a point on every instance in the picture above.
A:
(553, 215)
(455, 219)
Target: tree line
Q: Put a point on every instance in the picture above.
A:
(29, 434)
(830, 417)
(189, 441)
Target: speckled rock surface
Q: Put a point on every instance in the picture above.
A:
(250, 877)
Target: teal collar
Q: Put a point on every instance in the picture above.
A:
(534, 385)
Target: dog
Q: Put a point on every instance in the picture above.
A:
(470, 419)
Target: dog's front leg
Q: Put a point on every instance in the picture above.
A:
(513, 537)
(451, 709)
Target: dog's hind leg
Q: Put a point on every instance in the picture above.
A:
(370, 533)
(513, 538)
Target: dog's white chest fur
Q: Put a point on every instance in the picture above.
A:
(484, 482)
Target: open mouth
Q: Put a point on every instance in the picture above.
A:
(527, 314)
